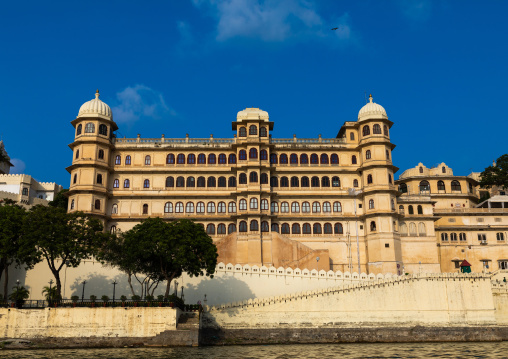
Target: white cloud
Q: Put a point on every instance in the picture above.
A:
(19, 166)
(416, 9)
(140, 102)
(270, 20)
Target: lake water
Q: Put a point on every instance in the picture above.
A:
(318, 351)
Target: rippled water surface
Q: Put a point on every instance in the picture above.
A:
(321, 351)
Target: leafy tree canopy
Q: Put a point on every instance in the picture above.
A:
(60, 200)
(496, 175)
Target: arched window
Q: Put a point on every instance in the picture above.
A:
(101, 154)
(180, 181)
(419, 209)
(352, 136)
(221, 207)
(353, 160)
(403, 229)
(327, 207)
(243, 226)
(210, 229)
(306, 229)
(376, 129)
(284, 182)
(222, 159)
(168, 207)
(232, 181)
(443, 169)
(421, 169)
(401, 209)
(77, 154)
(284, 207)
(99, 179)
(462, 237)
(116, 183)
(316, 207)
(103, 130)
(444, 237)
(355, 183)
(210, 207)
(305, 181)
(295, 182)
(242, 205)
(284, 229)
(262, 132)
(327, 228)
(387, 154)
(254, 227)
(367, 155)
(242, 155)
(295, 207)
(89, 128)
(242, 132)
(148, 160)
(263, 155)
(210, 182)
(324, 159)
(253, 130)
(146, 183)
(337, 207)
(273, 159)
(385, 129)
(189, 208)
(335, 181)
(128, 160)
(118, 160)
(392, 204)
(202, 159)
(338, 229)
(424, 187)
(389, 178)
(293, 159)
(253, 203)
(274, 207)
(180, 159)
(264, 178)
(232, 207)
(403, 188)
(126, 183)
(421, 229)
(145, 208)
(221, 228)
(78, 131)
(325, 182)
(212, 159)
(441, 186)
(274, 181)
(314, 181)
(72, 204)
(253, 153)
(97, 204)
(305, 207)
(295, 228)
(316, 228)
(275, 227)
(369, 179)
(410, 209)
(242, 178)
(221, 182)
(372, 226)
(200, 207)
(191, 159)
(283, 159)
(412, 229)
(334, 159)
(191, 182)
(114, 209)
(304, 159)
(170, 159)
(231, 228)
(456, 186)
(201, 181)
(366, 130)
(179, 207)
(264, 205)
(232, 158)
(253, 177)
(314, 159)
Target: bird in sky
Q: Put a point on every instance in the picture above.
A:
(335, 28)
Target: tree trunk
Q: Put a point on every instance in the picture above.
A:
(6, 279)
(129, 279)
(2, 261)
(58, 284)
(168, 287)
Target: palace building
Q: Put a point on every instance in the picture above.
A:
(317, 203)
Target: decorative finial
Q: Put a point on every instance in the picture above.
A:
(97, 93)
(370, 98)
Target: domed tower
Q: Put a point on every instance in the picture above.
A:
(379, 193)
(91, 160)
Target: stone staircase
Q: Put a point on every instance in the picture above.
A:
(188, 321)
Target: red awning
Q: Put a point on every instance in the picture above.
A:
(465, 264)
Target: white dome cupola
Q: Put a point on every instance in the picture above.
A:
(372, 110)
(95, 108)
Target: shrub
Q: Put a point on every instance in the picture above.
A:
(105, 298)
(93, 298)
(160, 297)
(19, 294)
(74, 298)
(123, 298)
(136, 297)
(149, 298)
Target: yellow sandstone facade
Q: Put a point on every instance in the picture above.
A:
(317, 203)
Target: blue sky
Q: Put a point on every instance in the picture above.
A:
(174, 67)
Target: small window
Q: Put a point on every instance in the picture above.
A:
(284, 181)
(212, 159)
(456, 186)
(387, 154)
(97, 204)
(352, 136)
(243, 226)
(232, 158)
(148, 160)
(316, 207)
(242, 132)
(403, 188)
(242, 155)
(222, 159)
(295, 182)
(264, 205)
(170, 181)
(366, 130)
(200, 207)
(453, 237)
(253, 203)
(118, 160)
(353, 160)
(385, 129)
(101, 154)
(367, 155)
(191, 159)
(305, 207)
(420, 209)
(274, 207)
(25, 192)
(79, 129)
(441, 186)
(355, 183)
(189, 207)
(284, 207)
(242, 205)
(264, 178)
(146, 184)
(221, 182)
(306, 229)
(421, 169)
(314, 182)
(232, 207)
(304, 159)
(77, 154)
(232, 181)
(263, 155)
(72, 204)
(334, 159)
(372, 226)
(283, 159)
(170, 159)
(324, 159)
(242, 178)
(103, 130)
(337, 207)
(210, 182)
(295, 207)
(221, 228)
(338, 229)
(462, 237)
(305, 181)
(424, 187)
(273, 159)
(316, 228)
(327, 207)
(168, 207)
(210, 207)
(293, 159)
(295, 228)
(314, 159)
(253, 153)
(376, 129)
(145, 208)
(500, 236)
(262, 133)
(325, 182)
(210, 229)
(191, 181)
(444, 237)
(99, 179)
(253, 130)
(116, 183)
(275, 227)
(443, 169)
(284, 228)
(202, 159)
(128, 160)
(410, 209)
(274, 181)
(369, 179)
(126, 183)
(231, 228)
(89, 128)
(254, 227)
(180, 181)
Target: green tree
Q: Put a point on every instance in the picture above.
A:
(14, 249)
(61, 200)
(61, 238)
(164, 250)
(50, 293)
(496, 175)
